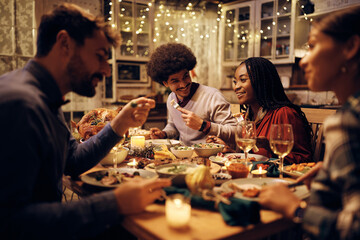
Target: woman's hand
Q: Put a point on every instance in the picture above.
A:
(310, 175)
(191, 119)
(133, 114)
(279, 198)
(214, 139)
(156, 133)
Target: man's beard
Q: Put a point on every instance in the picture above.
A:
(80, 79)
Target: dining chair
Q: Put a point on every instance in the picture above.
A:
(316, 117)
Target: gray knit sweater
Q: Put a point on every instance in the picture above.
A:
(210, 105)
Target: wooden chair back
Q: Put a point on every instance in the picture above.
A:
(316, 117)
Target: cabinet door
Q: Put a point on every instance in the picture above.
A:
(275, 28)
(238, 32)
(134, 21)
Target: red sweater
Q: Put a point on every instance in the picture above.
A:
(301, 151)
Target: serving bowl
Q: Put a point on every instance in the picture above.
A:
(159, 142)
(207, 149)
(176, 172)
(119, 154)
(182, 151)
(238, 170)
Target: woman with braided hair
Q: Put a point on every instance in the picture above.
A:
(259, 90)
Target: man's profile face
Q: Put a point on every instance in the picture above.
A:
(88, 64)
(179, 83)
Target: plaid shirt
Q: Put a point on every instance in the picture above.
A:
(334, 207)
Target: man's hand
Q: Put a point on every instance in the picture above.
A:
(133, 114)
(133, 196)
(156, 133)
(191, 119)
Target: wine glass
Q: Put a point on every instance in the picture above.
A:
(245, 137)
(281, 142)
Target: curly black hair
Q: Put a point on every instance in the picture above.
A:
(268, 88)
(169, 59)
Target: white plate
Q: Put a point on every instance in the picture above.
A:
(300, 191)
(158, 142)
(242, 155)
(222, 160)
(90, 178)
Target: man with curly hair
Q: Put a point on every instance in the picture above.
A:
(194, 110)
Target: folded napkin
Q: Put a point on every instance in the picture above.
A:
(239, 213)
(272, 170)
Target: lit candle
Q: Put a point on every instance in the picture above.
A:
(177, 211)
(259, 173)
(133, 163)
(137, 142)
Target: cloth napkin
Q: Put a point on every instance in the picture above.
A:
(239, 213)
(272, 170)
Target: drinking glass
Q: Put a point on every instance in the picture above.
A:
(245, 137)
(281, 142)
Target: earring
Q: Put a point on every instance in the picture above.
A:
(343, 69)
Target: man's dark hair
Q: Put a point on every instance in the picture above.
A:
(78, 24)
(169, 59)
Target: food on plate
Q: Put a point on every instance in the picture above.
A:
(238, 170)
(200, 179)
(207, 145)
(94, 121)
(112, 177)
(177, 169)
(301, 167)
(162, 152)
(201, 161)
(251, 192)
(246, 190)
(239, 159)
(183, 148)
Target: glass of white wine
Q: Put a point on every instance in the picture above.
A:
(245, 137)
(281, 142)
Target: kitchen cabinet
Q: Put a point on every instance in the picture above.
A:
(238, 31)
(262, 28)
(134, 20)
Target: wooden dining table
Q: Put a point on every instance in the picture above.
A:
(204, 224)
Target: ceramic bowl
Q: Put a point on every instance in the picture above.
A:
(120, 156)
(182, 151)
(207, 149)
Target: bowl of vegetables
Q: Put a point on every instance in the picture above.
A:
(176, 172)
(207, 149)
(182, 151)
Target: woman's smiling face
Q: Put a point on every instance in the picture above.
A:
(242, 86)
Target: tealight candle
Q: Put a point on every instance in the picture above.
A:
(133, 163)
(259, 173)
(137, 142)
(177, 211)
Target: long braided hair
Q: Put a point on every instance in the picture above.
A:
(268, 88)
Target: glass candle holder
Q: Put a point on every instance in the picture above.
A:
(177, 211)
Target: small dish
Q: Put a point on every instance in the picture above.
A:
(220, 178)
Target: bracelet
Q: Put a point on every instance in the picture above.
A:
(203, 125)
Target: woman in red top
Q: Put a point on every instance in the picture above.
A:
(259, 90)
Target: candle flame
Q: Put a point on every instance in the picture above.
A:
(260, 169)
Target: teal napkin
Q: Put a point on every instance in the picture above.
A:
(239, 213)
(272, 170)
